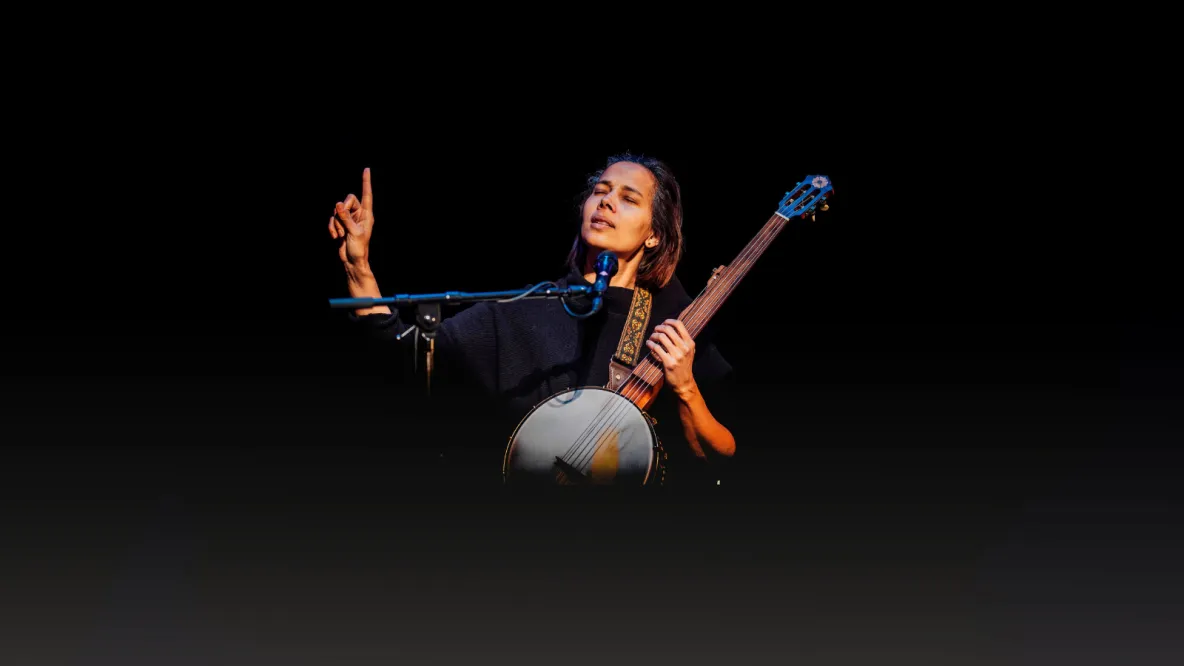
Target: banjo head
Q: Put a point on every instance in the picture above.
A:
(583, 436)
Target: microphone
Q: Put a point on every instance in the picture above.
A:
(606, 267)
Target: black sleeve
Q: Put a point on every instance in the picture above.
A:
(465, 347)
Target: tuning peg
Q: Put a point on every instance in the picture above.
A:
(825, 206)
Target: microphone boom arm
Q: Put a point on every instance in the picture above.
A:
(428, 306)
(554, 291)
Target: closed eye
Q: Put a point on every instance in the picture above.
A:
(630, 194)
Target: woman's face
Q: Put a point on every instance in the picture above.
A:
(617, 215)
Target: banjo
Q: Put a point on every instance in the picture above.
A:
(600, 436)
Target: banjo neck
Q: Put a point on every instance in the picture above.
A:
(646, 378)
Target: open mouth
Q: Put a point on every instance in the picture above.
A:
(601, 223)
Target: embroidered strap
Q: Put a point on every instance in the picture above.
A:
(629, 348)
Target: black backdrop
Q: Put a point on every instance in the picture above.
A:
(204, 464)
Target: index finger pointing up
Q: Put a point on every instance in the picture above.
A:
(367, 194)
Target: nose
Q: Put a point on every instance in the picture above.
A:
(605, 203)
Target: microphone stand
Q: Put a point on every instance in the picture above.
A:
(428, 307)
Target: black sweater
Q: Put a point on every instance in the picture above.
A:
(496, 361)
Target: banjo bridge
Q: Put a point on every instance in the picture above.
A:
(569, 471)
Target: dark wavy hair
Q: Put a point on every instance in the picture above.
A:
(657, 264)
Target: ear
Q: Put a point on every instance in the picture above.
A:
(652, 241)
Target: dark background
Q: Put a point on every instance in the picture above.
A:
(945, 456)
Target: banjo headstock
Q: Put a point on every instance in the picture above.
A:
(809, 195)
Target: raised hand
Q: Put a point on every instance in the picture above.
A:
(353, 223)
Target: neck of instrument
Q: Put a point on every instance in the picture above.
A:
(704, 307)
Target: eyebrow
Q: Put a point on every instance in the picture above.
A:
(624, 187)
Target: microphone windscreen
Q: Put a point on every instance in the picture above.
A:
(606, 262)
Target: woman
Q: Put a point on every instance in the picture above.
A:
(524, 351)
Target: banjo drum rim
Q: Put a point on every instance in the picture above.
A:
(656, 451)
